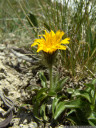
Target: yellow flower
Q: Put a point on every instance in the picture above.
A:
(50, 42)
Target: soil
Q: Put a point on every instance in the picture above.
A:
(16, 75)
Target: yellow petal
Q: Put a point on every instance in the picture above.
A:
(59, 35)
(46, 33)
(65, 41)
(35, 43)
(52, 33)
(39, 35)
(62, 47)
(39, 40)
(40, 47)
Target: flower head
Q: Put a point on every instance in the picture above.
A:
(50, 42)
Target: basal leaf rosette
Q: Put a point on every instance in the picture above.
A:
(49, 43)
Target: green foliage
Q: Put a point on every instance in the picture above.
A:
(58, 84)
(46, 97)
(87, 108)
(43, 79)
(62, 105)
(32, 20)
(51, 104)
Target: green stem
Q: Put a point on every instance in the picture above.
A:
(50, 73)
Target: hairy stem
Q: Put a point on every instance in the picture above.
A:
(50, 74)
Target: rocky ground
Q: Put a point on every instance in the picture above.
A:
(15, 75)
(17, 72)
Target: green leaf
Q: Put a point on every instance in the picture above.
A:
(92, 115)
(70, 90)
(43, 79)
(35, 90)
(35, 109)
(73, 104)
(42, 112)
(71, 111)
(60, 84)
(92, 122)
(61, 106)
(90, 85)
(92, 119)
(82, 93)
(73, 120)
(54, 104)
(52, 93)
(94, 81)
(25, 105)
(32, 20)
(41, 92)
(59, 109)
(92, 94)
(88, 89)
